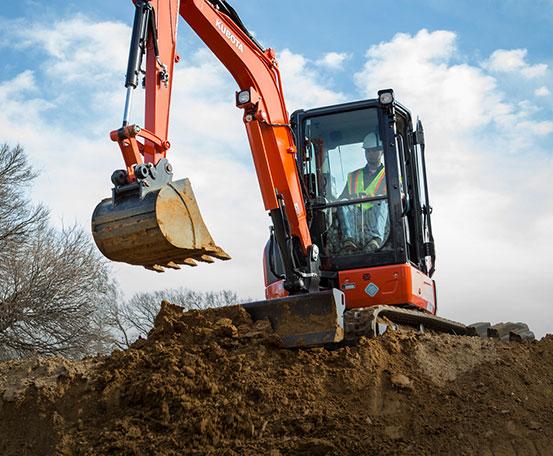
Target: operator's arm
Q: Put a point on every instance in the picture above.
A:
(345, 192)
(377, 216)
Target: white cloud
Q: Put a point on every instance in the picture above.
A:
(432, 78)
(542, 92)
(78, 49)
(303, 86)
(75, 44)
(71, 163)
(536, 128)
(333, 60)
(514, 61)
(489, 177)
(24, 82)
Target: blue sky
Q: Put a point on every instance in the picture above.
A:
(313, 27)
(478, 73)
(318, 25)
(485, 25)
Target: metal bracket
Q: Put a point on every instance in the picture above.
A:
(149, 178)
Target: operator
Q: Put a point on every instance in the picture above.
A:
(368, 181)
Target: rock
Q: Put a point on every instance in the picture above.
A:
(11, 394)
(261, 328)
(189, 372)
(401, 381)
(202, 426)
(204, 332)
(225, 328)
(534, 425)
(393, 432)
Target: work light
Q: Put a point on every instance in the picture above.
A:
(243, 97)
(386, 97)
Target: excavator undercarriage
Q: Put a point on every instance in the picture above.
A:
(320, 319)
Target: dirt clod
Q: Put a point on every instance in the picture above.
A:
(213, 382)
(401, 381)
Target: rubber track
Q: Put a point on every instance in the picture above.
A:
(373, 321)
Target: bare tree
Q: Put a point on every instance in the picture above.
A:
(53, 284)
(135, 317)
(18, 218)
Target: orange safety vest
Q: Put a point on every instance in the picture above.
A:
(355, 185)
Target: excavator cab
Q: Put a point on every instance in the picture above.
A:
(345, 172)
(364, 180)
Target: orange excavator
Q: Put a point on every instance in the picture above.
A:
(351, 250)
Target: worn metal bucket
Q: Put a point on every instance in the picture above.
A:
(157, 229)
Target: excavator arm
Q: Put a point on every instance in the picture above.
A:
(266, 120)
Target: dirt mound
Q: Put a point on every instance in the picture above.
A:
(212, 382)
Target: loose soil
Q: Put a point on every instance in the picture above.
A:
(212, 382)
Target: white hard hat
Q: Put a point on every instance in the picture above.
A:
(372, 141)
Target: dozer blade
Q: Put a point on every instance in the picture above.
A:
(306, 320)
(157, 229)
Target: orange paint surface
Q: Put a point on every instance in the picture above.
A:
(383, 285)
(388, 285)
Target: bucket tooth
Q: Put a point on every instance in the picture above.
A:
(190, 262)
(172, 265)
(220, 255)
(205, 259)
(155, 267)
